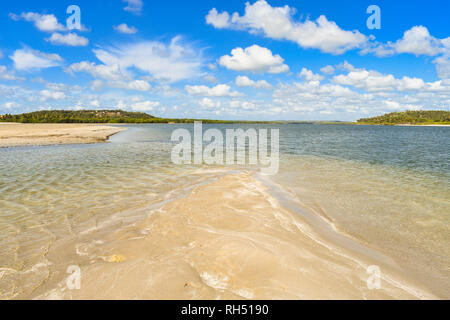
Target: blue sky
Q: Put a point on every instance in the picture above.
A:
(292, 60)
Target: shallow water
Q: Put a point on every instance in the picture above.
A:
(386, 187)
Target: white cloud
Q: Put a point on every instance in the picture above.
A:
(94, 103)
(165, 62)
(134, 6)
(328, 70)
(27, 59)
(210, 78)
(443, 66)
(245, 105)
(138, 105)
(124, 28)
(278, 23)
(44, 22)
(345, 66)
(308, 75)
(69, 39)
(218, 20)
(137, 85)
(1, 54)
(209, 103)
(315, 99)
(221, 90)
(145, 105)
(8, 105)
(96, 85)
(374, 81)
(254, 59)
(132, 85)
(417, 41)
(212, 67)
(5, 74)
(107, 72)
(51, 95)
(244, 81)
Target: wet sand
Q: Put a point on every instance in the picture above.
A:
(15, 134)
(228, 239)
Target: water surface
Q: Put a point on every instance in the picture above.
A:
(386, 187)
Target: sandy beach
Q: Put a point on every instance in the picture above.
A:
(229, 239)
(17, 134)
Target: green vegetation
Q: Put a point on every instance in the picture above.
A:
(410, 117)
(120, 116)
(97, 116)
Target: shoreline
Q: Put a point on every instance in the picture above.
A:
(20, 135)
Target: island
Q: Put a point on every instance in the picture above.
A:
(431, 117)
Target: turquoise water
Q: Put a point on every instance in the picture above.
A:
(388, 187)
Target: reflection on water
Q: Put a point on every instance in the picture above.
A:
(389, 187)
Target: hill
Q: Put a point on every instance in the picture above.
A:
(410, 117)
(82, 116)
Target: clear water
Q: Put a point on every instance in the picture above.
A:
(388, 187)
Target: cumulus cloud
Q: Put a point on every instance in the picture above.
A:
(124, 28)
(138, 105)
(254, 59)
(28, 59)
(208, 103)
(145, 105)
(372, 81)
(443, 66)
(328, 70)
(6, 74)
(278, 23)
(165, 62)
(107, 72)
(308, 75)
(345, 66)
(51, 95)
(244, 81)
(221, 90)
(69, 39)
(137, 85)
(43, 22)
(218, 20)
(134, 6)
(417, 41)
(8, 105)
(132, 85)
(315, 99)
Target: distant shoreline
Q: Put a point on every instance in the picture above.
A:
(423, 125)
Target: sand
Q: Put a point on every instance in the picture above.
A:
(228, 239)
(15, 134)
